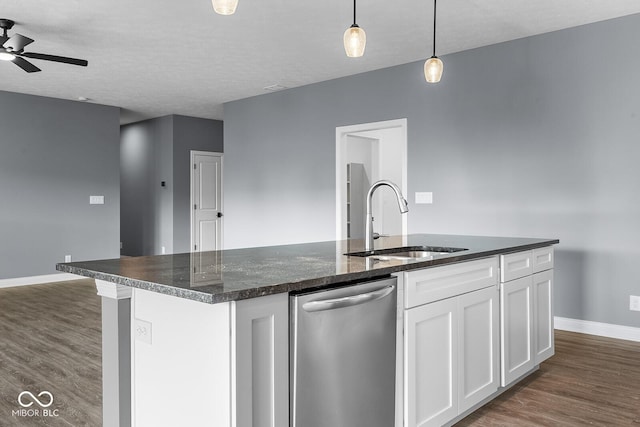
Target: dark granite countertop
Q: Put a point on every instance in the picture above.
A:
(213, 277)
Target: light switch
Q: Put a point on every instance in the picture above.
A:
(424, 198)
(96, 200)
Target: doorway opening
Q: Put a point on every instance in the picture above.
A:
(366, 153)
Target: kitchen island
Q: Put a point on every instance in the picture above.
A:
(210, 329)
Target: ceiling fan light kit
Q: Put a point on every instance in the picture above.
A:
(354, 38)
(12, 49)
(225, 7)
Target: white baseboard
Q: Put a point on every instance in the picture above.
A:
(38, 280)
(596, 328)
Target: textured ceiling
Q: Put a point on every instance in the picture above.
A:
(159, 57)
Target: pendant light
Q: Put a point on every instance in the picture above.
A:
(225, 7)
(354, 38)
(433, 67)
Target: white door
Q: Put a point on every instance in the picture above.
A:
(206, 201)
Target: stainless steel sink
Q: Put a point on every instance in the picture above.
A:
(408, 252)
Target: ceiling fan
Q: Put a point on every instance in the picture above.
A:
(12, 49)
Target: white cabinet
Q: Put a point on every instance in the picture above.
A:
(516, 324)
(543, 315)
(479, 346)
(431, 364)
(526, 311)
(451, 345)
(226, 363)
(261, 362)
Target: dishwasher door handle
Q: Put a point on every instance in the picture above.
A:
(331, 304)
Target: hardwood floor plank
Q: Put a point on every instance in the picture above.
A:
(50, 339)
(591, 380)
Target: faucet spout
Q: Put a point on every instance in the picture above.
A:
(402, 204)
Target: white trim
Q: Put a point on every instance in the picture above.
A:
(38, 280)
(341, 153)
(191, 214)
(596, 328)
(113, 290)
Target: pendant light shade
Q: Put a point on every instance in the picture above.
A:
(433, 67)
(355, 38)
(225, 7)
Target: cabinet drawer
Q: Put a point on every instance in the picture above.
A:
(516, 265)
(433, 284)
(542, 259)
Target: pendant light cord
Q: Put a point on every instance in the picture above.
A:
(434, 26)
(354, 12)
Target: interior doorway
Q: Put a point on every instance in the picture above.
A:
(366, 153)
(206, 201)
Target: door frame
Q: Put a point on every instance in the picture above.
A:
(192, 155)
(341, 176)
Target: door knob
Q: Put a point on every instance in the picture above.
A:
(219, 214)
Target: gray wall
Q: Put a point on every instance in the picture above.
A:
(153, 151)
(146, 210)
(54, 154)
(189, 133)
(535, 137)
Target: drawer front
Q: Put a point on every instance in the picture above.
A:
(516, 265)
(542, 259)
(437, 283)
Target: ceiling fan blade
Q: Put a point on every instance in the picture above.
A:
(25, 65)
(55, 58)
(17, 42)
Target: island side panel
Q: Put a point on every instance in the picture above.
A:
(261, 331)
(116, 354)
(181, 370)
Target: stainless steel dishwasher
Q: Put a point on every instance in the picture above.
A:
(343, 356)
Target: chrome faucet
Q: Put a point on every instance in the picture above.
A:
(368, 221)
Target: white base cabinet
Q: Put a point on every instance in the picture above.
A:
(218, 365)
(451, 346)
(526, 312)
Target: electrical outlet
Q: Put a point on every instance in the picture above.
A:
(143, 331)
(67, 258)
(634, 303)
(163, 250)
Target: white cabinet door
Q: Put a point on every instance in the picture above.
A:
(479, 346)
(431, 367)
(516, 325)
(261, 362)
(543, 315)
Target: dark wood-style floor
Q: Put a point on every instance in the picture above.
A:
(591, 381)
(50, 339)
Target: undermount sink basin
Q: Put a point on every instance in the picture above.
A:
(408, 252)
